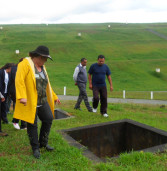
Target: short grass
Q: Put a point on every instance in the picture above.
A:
(16, 154)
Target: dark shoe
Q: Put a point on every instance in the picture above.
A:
(36, 153)
(3, 134)
(22, 128)
(5, 122)
(90, 110)
(78, 108)
(48, 148)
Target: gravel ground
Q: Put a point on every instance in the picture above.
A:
(117, 100)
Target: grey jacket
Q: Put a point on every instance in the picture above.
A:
(80, 74)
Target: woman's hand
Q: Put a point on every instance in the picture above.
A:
(57, 101)
(23, 101)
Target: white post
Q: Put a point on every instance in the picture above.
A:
(151, 95)
(79, 34)
(17, 52)
(64, 91)
(123, 94)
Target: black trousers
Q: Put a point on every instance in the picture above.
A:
(8, 104)
(3, 109)
(45, 115)
(0, 116)
(103, 98)
(82, 96)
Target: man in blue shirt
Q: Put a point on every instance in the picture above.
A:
(97, 75)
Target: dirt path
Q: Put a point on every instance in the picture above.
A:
(158, 34)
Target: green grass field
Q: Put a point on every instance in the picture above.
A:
(16, 153)
(132, 52)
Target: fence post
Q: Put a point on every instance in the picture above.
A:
(64, 91)
(123, 94)
(152, 95)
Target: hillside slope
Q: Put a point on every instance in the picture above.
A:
(132, 51)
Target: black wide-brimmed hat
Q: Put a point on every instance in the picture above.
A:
(42, 51)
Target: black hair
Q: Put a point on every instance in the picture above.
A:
(101, 56)
(7, 66)
(83, 59)
(21, 59)
(32, 55)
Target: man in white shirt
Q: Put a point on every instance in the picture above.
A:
(80, 78)
(4, 80)
(2, 99)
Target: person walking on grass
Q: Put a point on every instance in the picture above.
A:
(4, 81)
(2, 99)
(80, 78)
(35, 97)
(12, 95)
(97, 75)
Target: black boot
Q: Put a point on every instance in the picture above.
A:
(36, 153)
(3, 134)
(77, 108)
(47, 147)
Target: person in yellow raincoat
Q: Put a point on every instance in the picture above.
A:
(35, 97)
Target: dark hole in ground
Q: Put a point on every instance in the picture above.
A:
(112, 138)
(61, 114)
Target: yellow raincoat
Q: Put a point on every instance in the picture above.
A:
(26, 88)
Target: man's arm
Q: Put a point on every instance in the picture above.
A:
(110, 81)
(75, 75)
(2, 97)
(90, 81)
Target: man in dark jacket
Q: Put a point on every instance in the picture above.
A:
(4, 80)
(2, 99)
(12, 94)
(80, 78)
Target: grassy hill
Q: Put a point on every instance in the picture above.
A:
(132, 52)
